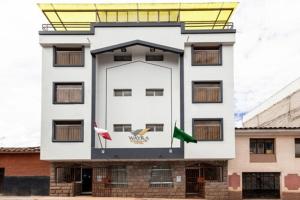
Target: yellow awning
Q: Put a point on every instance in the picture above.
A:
(196, 16)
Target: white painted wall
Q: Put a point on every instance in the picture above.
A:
(62, 150)
(138, 73)
(210, 149)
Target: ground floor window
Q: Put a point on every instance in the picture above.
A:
(68, 174)
(261, 185)
(119, 176)
(161, 176)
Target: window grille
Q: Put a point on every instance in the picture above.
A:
(161, 176)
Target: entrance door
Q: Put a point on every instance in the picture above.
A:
(86, 180)
(261, 185)
(194, 183)
(1, 179)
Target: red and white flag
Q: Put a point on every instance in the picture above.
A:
(104, 133)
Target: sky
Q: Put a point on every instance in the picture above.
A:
(266, 58)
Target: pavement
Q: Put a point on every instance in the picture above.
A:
(78, 198)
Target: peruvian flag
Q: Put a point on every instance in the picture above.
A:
(104, 133)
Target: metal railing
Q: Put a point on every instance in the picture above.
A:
(86, 26)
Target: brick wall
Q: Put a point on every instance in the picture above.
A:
(24, 164)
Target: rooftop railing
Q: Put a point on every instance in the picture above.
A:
(86, 26)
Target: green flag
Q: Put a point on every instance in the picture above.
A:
(181, 135)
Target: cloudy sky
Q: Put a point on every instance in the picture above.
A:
(267, 57)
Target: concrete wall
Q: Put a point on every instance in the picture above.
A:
(169, 36)
(284, 113)
(286, 163)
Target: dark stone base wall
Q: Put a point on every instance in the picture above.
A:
(26, 185)
(138, 176)
(290, 196)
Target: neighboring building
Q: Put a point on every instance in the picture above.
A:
(130, 67)
(266, 164)
(280, 110)
(22, 172)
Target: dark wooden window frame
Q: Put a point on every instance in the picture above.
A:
(274, 148)
(205, 46)
(122, 90)
(81, 134)
(208, 82)
(58, 65)
(123, 129)
(154, 90)
(209, 119)
(297, 141)
(67, 83)
(148, 57)
(155, 124)
(125, 56)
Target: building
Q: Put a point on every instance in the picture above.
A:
(280, 110)
(266, 164)
(129, 67)
(22, 172)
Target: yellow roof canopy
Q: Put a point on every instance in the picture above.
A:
(195, 16)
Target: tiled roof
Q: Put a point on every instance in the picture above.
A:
(19, 149)
(265, 128)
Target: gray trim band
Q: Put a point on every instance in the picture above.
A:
(137, 42)
(136, 24)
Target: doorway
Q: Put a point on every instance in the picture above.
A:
(261, 185)
(1, 179)
(86, 181)
(194, 182)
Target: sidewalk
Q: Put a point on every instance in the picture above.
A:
(78, 198)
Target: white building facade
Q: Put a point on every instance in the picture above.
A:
(137, 80)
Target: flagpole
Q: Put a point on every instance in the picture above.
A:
(172, 136)
(100, 141)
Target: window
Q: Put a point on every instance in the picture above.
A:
(161, 176)
(297, 147)
(213, 173)
(207, 129)
(68, 131)
(68, 175)
(206, 55)
(207, 92)
(155, 127)
(262, 146)
(122, 127)
(154, 57)
(68, 93)
(122, 57)
(154, 92)
(122, 92)
(72, 56)
(119, 176)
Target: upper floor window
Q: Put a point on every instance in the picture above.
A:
(122, 92)
(154, 57)
(68, 93)
(71, 56)
(122, 127)
(67, 131)
(297, 147)
(208, 129)
(155, 127)
(262, 146)
(207, 92)
(161, 176)
(122, 57)
(154, 92)
(210, 55)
